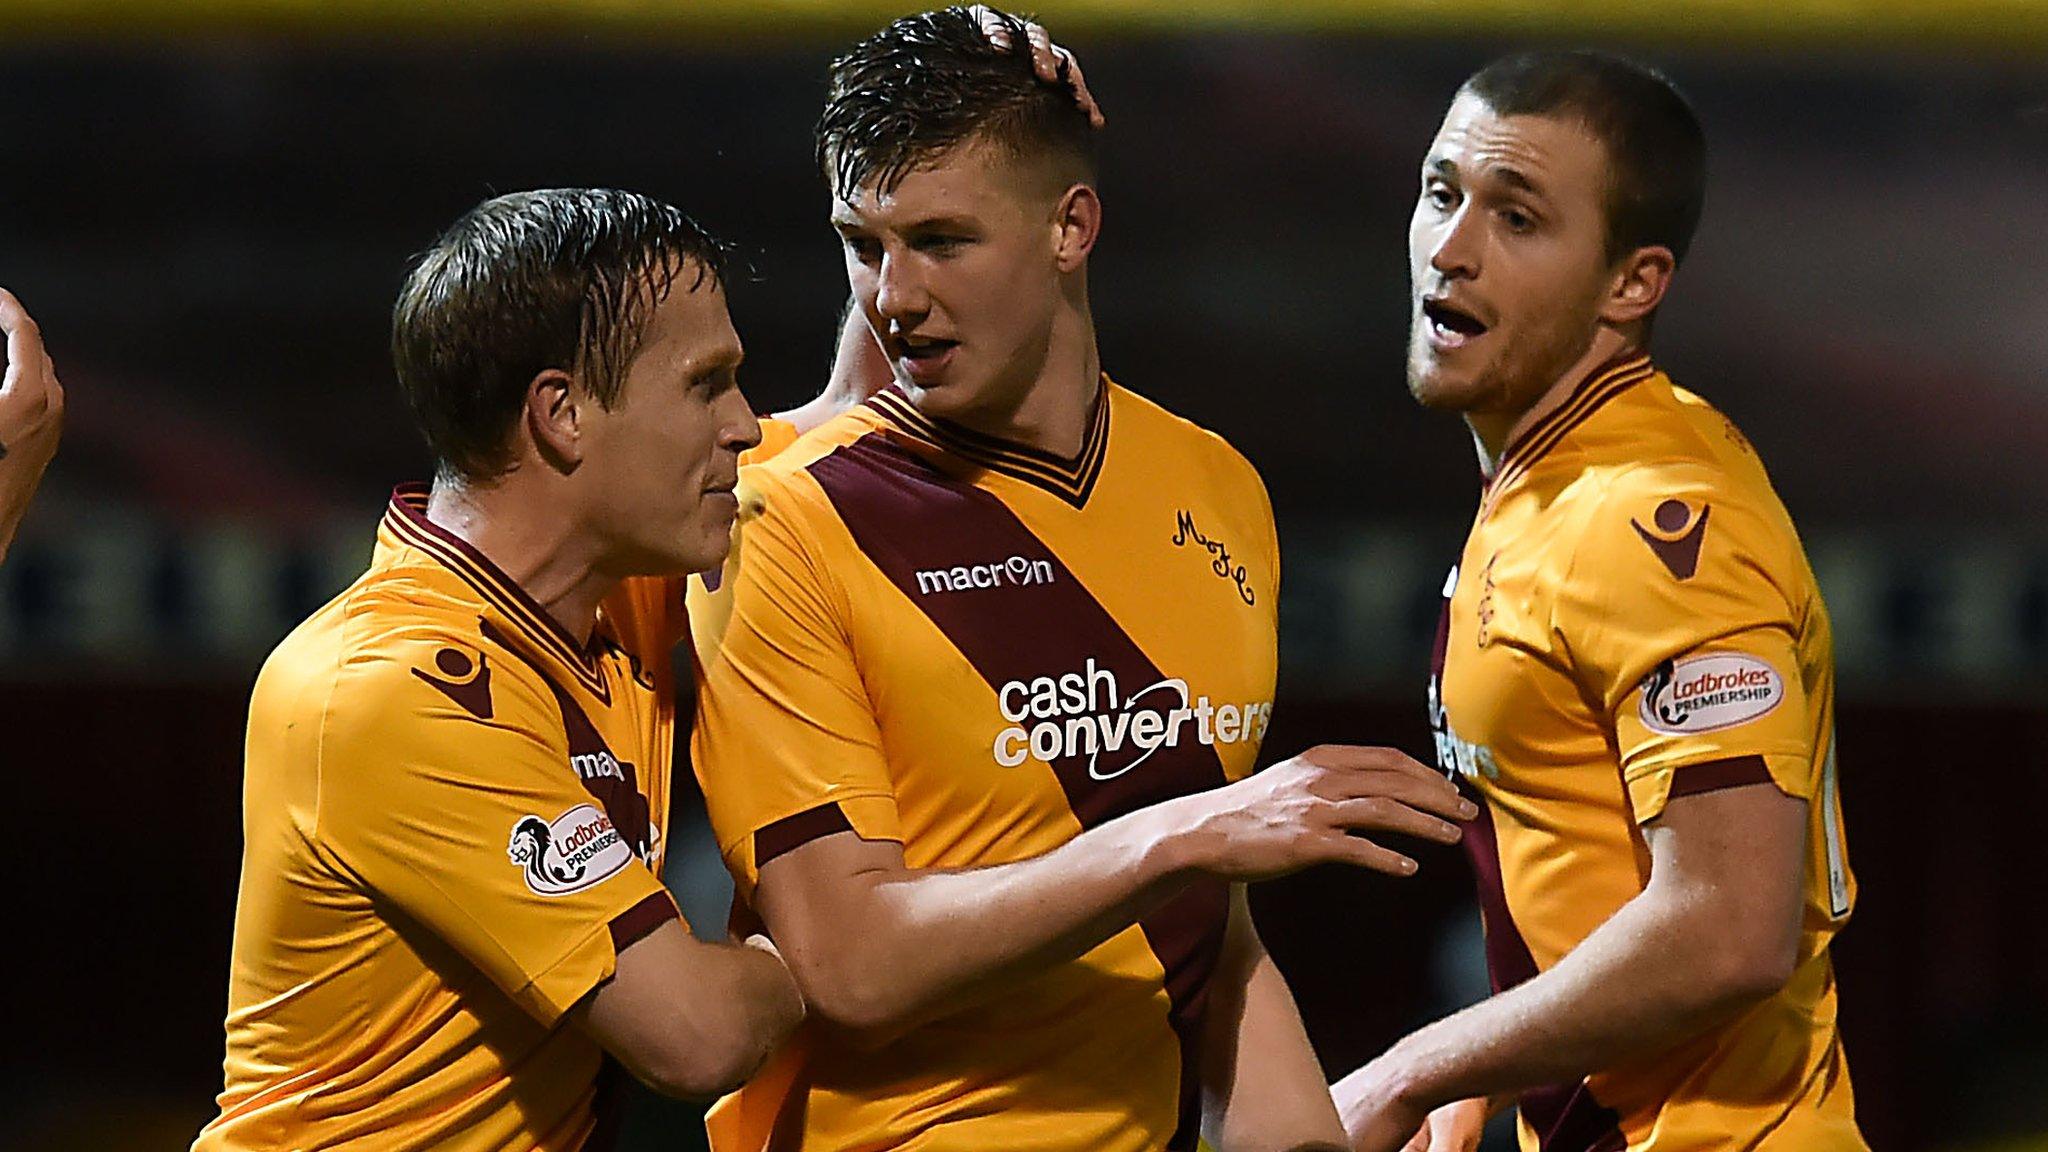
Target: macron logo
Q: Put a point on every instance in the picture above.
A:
(1016, 571)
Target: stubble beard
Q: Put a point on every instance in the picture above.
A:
(1507, 383)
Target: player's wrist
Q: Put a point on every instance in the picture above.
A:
(1172, 840)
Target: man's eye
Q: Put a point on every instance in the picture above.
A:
(1517, 220)
(864, 250)
(1440, 197)
(714, 384)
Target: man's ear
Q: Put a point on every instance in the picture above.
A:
(1076, 223)
(554, 418)
(1640, 281)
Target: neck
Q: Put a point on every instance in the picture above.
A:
(511, 523)
(1493, 433)
(1052, 412)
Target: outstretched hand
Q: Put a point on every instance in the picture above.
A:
(1316, 809)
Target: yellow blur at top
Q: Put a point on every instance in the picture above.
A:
(2009, 25)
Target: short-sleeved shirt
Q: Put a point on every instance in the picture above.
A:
(453, 813)
(1634, 619)
(979, 650)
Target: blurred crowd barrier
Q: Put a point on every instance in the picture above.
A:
(1963, 611)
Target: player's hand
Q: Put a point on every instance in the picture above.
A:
(1378, 1118)
(1455, 1127)
(1054, 64)
(31, 414)
(1309, 810)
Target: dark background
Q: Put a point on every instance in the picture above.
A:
(211, 221)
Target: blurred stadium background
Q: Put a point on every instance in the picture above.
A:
(209, 204)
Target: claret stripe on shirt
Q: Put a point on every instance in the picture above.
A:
(1598, 389)
(407, 519)
(905, 515)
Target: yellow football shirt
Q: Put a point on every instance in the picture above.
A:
(979, 650)
(1632, 619)
(453, 814)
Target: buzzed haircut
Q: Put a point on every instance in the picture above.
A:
(930, 82)
(563, 278)
(1656, 150)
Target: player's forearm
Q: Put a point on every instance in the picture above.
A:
(1663, 969)
(688, 1018)
(745, 1005)
(20, 472)
(858, 372)
(1263, 1088)
(933, 941)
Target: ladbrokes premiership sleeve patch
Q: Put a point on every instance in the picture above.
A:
(1708, 692)
(1741, 701)
(1679, 614)
(577, 850)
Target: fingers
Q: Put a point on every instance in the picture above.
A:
(1043, 61)
(24, 341)
(993, 27)
(1052, 63)
(1071, 73)
(1422, 796)
(1357, 851)
(1351, 772)
(1382, 814)
(1057, 65)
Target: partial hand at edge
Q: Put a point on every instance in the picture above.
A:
(31, 414)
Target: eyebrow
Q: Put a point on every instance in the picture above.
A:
(927, 223)
(1512, 177)
(726, 358)
(956, 223)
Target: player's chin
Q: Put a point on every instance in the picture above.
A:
(1438, 389)
(707, 546)
(700, 546)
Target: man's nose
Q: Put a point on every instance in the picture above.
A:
(1455, 250)
(900, 290)
(739, 428)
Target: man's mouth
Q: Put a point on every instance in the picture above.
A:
(1449, 325)
(921, 348)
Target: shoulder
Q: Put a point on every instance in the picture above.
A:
(1660, 460)
(397, 659)
(1162, 432)
(779, 489)
(1670, 513)
(788, 454)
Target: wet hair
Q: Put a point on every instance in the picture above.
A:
(564, 278)
(1656, 150)
(930, 82)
